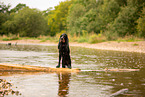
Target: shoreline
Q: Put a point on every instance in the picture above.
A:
(138, 47)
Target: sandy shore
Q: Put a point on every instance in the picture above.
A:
(111, 45)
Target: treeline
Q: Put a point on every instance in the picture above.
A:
(112, 18)
(21, 20)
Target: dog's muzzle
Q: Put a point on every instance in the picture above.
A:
(62, 39)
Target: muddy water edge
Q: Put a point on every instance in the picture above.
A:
(87, 84)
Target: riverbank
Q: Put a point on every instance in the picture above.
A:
(111, 45)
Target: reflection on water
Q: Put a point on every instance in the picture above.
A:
(87, 84)
(64, 79)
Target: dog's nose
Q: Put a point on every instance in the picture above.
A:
(61, 38)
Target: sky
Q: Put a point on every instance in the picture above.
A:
(39, 4)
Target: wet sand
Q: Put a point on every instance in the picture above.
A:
(111, 45)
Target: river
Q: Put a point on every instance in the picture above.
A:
(83, 84)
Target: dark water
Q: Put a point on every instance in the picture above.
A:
(83, 84)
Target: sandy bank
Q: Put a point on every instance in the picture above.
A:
(111, 45)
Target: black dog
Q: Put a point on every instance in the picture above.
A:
(64, 51)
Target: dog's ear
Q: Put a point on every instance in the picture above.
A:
(67, 40)
(67, 44)
(59, 41)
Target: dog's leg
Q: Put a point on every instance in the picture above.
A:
(63, 62)
(59, 61)
(69, 65)
(69, 62)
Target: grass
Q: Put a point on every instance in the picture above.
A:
(82, 40)
(97, 38)
(130, 39)
(85, 38)
(9, 38)
(135, 44)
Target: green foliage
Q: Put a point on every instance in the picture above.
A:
(97, 38)
(141, 25)
(18, 7)
(57, 18)
(82, 39)
(108, 11)
(130, 39)
(4, 8)
(47, 12)
(125, 22)
(91, 15)
(11, 37)
(4, 16)
(27, 22)
(106, 19)
(135, 44)
(80, 14)
(115, 18)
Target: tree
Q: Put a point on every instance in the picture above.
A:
(81, 13)
(4, 8)
(18, 7)
(27, 22)
(47, 12)
(4, 15)
(107, 12)
(141, 24)
(57, 19)
(75, 13)
(125, 23)
(92, 15)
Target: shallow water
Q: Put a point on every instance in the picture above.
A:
(87, 84)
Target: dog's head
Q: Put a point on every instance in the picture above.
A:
(63, 38)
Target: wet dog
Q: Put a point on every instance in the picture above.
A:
(64, 52)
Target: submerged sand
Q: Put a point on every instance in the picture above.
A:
(111, 45)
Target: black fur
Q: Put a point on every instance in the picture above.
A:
(64, 52)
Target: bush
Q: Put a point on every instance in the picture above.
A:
(94, 38)
(110, 35)
(11, 37)
(141, 25)
(130, 38)
(82, 39)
